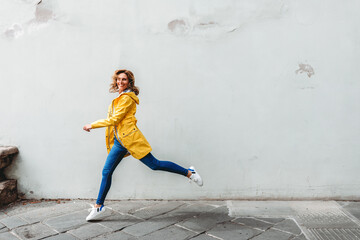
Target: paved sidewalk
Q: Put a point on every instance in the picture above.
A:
(197, 220)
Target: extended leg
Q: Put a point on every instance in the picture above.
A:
(115, 156)
(150, 161)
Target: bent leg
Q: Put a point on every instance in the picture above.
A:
(113, 159)
(150, 161)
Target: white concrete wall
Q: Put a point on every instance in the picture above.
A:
(261, 96)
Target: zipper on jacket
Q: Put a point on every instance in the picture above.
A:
(117, 137)
(115, 130)
(108, 137)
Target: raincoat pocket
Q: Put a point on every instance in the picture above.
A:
(134, 141)
(128, 132)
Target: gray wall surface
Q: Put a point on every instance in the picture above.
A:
(262, 97)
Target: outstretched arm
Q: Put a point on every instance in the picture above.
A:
(120, 111)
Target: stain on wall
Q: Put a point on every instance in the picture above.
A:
(14, 31)
(39, 14)
(178, 26)
(305, 68)
(220, 18)
(43, 13)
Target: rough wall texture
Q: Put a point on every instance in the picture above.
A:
(261, 96)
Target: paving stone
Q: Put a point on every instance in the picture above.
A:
(67, 222)
(7, 236)
(334, 233)
(254, 223)
(27, 206)
(34, 232)
(271, 220)
(300, 237)
(62, 236)
(5, 229)
(206, 221)
(322, 214)
(129, 207)
(118, 221)
(321, 233)
(203, 236)
(273, 234)
(41, 214)
(352, 207)
(288, 225)
(3, 215)
(116, 236)
(231, 230)
(13, 222)
(261, 209)
(200, 215)
(89, 231)
(157, 210)
(151, 225)
(187, 211)
(172, 232)
(215, 203)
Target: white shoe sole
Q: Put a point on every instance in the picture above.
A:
(199, 183)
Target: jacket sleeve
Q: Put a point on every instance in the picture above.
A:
(123, 106)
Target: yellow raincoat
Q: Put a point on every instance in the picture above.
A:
(121, 122)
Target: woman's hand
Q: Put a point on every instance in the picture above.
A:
(87, 127)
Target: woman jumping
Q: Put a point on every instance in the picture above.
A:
(124, 138)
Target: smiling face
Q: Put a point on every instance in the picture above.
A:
(122, 82)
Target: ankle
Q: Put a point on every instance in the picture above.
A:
(97, 205)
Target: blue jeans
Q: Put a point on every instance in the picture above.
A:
(115, 156)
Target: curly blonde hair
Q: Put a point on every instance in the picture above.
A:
(113, 86)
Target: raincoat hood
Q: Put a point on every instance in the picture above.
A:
(132, 95)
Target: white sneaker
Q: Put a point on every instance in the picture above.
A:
(195, 176)
(96, 213)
